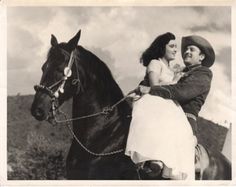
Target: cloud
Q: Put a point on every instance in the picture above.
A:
(28, 78)
(22, 47)
(224, 58)
(218, 106)
(129, 83)
(83, 15)
(118, 36)
(30, 17)
(211, 27)
(206, 15)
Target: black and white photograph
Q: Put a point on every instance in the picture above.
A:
(132, 93)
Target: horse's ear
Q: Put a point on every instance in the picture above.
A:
(53, 40)
(74, 41)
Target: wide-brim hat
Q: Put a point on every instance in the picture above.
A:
(203, 45)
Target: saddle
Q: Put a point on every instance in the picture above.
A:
(151, 171)
(201, 161)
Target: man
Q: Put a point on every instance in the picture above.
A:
(192, 89)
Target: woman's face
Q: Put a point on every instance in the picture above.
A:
(171, 49)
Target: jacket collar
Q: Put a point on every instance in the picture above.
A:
(191, 67)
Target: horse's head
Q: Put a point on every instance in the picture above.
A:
(60, 78)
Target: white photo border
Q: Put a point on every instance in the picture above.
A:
(3, 88)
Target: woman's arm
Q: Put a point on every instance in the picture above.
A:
(154, 78)
(154, 72)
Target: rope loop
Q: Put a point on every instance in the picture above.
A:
(107, 110)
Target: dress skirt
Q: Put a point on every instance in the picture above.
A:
(159, 130)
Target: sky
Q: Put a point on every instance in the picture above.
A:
(118, 35)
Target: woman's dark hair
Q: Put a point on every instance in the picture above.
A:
(157, 49)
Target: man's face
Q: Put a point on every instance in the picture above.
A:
(192, 55)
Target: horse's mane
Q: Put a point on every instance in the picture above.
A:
(102, 79)
(95, 72)
(100, 74)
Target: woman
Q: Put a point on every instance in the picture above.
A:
(159, 130)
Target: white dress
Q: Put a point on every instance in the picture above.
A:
(159, 129)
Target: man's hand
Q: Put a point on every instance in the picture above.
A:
(141, 90)
(144, 89)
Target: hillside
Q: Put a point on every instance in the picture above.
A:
(20, 123)
(23, 129)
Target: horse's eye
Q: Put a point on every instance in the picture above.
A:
(60, 68)
(60, 57)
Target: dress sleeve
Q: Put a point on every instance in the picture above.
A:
(154, 66)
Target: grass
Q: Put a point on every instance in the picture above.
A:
(37, 151)
(42, 159)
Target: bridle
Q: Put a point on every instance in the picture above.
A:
(60, 90)
(62, 81)
(61, 84)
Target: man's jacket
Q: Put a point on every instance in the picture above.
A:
(190, 91)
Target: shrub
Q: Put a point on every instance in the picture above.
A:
(43, 159)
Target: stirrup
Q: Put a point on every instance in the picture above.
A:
(152, 166)
(158, 162)
(145, 166)
(141, 166)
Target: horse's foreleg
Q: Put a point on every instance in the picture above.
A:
(75, 169)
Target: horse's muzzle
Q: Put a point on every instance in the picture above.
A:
(38, 113)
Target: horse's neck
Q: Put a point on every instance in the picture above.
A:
(92, 100)
(89, 101)
(96, 128)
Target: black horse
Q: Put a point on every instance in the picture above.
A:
(95, 92)
(100, 115)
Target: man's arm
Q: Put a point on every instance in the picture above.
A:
(196, 83)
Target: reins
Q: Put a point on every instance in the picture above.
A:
(105, 111)
(55, 108)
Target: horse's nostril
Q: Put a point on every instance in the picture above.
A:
(38, 113)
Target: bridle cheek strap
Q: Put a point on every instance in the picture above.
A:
(67, 74)
(77, 81)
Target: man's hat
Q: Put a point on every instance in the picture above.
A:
(203, 45)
